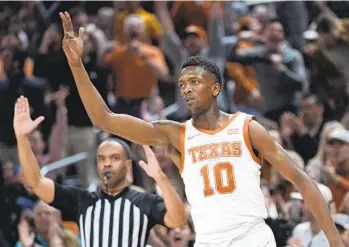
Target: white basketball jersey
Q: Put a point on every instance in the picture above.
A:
(222, 180)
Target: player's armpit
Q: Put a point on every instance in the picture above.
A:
(272, 152)
(45, 190)
(175, 155)
(139, 131)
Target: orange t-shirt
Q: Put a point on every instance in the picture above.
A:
(133, 76)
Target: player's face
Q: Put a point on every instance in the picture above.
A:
(198, 89)
(111, 157)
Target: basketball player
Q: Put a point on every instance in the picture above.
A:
(221, 154)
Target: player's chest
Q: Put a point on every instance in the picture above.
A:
(212, 148)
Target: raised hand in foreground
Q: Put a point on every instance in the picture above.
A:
(22, 122)
(73, 45)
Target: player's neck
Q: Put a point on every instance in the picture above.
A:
(210, 119)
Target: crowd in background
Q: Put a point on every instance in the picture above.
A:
(285, 62)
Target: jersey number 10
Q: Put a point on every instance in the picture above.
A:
(219, 187)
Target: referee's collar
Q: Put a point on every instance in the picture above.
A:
(105, 195)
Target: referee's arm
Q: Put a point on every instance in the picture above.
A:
(42, 187)
(60, 197)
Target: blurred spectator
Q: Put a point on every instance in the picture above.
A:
(309, 233)
(105, 17)
(61, 237)
(344, 207)
(152, 27)
(17, 198)
(303, 131)
(279, 68)
(136, 67)
(11, 74)
(337, 173)
(329, 73)
(58, 132)
(263, 13)
(328, 151)
(153, 109)
(345, 119)
(246, 96)
(342, 223)
(294, 17)
(185, 13)
(36, 230)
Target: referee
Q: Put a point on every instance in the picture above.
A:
(114, 215)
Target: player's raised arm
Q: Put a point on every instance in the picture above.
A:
(128, 127)
(23, 126)
(277, 157)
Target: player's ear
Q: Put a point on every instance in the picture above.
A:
(216, 89)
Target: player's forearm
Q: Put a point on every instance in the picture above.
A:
(174, 205)
(90, 97)
(319, 209)
(28, 162)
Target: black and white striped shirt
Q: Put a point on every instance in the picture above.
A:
(105, 221)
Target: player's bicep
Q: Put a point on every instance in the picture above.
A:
(272, 152)
(136, 130)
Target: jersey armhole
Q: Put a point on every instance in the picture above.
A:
(182, 147)
(254, 153)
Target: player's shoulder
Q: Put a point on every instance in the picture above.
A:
(175, 131)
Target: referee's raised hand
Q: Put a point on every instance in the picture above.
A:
(152, 168)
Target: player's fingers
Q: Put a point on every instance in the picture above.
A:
(81, 32)
(20, 103)
(16, 107)
(69, 22)
(25, 104)
(64, 22)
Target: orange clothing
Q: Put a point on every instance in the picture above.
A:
(132, 74)
(339, 190)
(244, 76)
(72, 226)
(192, 12)
(152, 25)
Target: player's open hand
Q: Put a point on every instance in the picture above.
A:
(22, 122)
(73, 46)
(152, 169)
